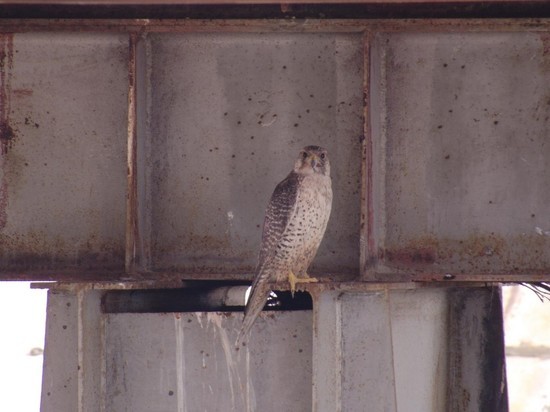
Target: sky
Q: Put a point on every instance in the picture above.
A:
(22, 323)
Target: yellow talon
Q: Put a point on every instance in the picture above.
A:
(292, 279)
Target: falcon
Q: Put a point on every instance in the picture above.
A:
(294, 225)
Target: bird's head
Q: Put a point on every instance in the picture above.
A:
(312, 159)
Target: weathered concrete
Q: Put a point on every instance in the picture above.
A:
(460, 128)
(389, 350)
(63, 172)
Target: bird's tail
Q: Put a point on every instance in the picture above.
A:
(255, 304)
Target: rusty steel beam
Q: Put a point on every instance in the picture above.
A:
(367, 247)
(480, 277)
(177, 277)
(278, 2)
(314, 289)
(131, 198)
(132, 235)
(269, 9)
(274, 25)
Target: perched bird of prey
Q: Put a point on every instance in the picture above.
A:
(294, 225)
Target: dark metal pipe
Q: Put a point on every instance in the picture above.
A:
(196, 299)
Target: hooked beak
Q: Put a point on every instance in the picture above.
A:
(314, 161)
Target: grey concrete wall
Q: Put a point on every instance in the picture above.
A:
(228, 114)
(460, 127)
(188, 362)
(381, 351)
(392, 350)
(63, 161)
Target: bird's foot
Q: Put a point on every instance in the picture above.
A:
(293, 280)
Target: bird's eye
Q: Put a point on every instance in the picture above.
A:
(323, 156)
(304, 155)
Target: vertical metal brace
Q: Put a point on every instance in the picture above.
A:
(366, 247)
(131, 197)
(476, 357)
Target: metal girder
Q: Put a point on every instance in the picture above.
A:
(397, 221)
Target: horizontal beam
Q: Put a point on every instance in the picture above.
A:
(178, 278)
(274, 25)
(312, 288)
(286, 2)
(481, 277)
(266, 9)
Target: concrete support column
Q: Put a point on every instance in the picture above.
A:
(428, 349)
(352, 353)
(388, 350)
(73, 355)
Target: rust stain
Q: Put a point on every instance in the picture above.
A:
(3, 203)
(6, 137)
(6, 132)
(480, 253)
(411, 255)
(367, 156)
(132, 228)
(22, 92)
(6, 67)
(419, 251)
(545, 39)
(38, 251)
